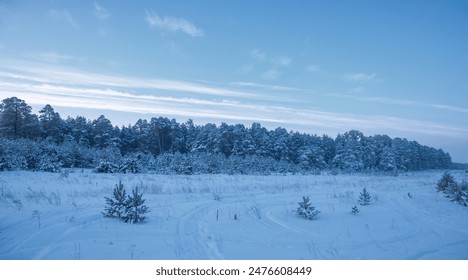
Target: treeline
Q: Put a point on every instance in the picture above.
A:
(48, 142)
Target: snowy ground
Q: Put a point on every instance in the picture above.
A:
(58, 216)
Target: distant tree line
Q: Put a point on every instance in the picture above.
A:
(48, 142)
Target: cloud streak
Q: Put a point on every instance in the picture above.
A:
(450, 108)
(395, 101)
(173, 24)
(263, 86)
(66, 76)
(52, 57)
(41, 84)
(359, 77)
(108, 99)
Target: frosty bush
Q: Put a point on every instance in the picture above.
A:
(106, 166)
(445, 181)
(306, 209)
(462, 194)
(49, 163)
(457, 192)
(364, 197)
(355, 210)
(131, 165)
(130, 209)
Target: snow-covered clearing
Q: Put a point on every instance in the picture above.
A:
(58, 216)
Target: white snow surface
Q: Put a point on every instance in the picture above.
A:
(58, 216)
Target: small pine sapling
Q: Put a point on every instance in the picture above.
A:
(306, 209)
(131, 165)
(135, 208)
(458, 192)
(364, 198)
(116, 206)
(445, 182)
(355, 210)
(105, 166)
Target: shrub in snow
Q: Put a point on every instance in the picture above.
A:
(49, 163)
(135, 208)
(116, 206)
(364, 197)
(445, 181)
(3, 164)
(306, 209)
(130, 209)
(464, 192)
(73, 155)
(32, 153)
(355, 210)
(131, 165)
(105, 166)
(181, 164)
(458, 192)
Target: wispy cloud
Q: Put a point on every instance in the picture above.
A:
(282, 60)
(397, 101)
(258, 55)
(110, 99)
(359, 77)
(173, 24)
(450, 108)
(63, 17)
(40, 84)
(379, 99)
(42, 73)
(222, 110)
(312, 68)
(51, 57)
(271, 74)
(263, 86)
(100, 12)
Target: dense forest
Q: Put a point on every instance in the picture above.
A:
(47, 142)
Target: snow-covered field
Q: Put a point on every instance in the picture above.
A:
(58, 216)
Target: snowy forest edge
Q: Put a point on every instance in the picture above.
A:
(46, 142)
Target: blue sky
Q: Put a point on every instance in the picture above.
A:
(325, 67)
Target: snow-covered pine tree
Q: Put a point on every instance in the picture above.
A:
(458, 192)
(131, 165)
(116, 206)
(105, 166)
(355, 210)
(135, 208)
(16, 119)
(306, 209)
(445, 181)
(464, 192)
(364, 197)
(49, 163)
